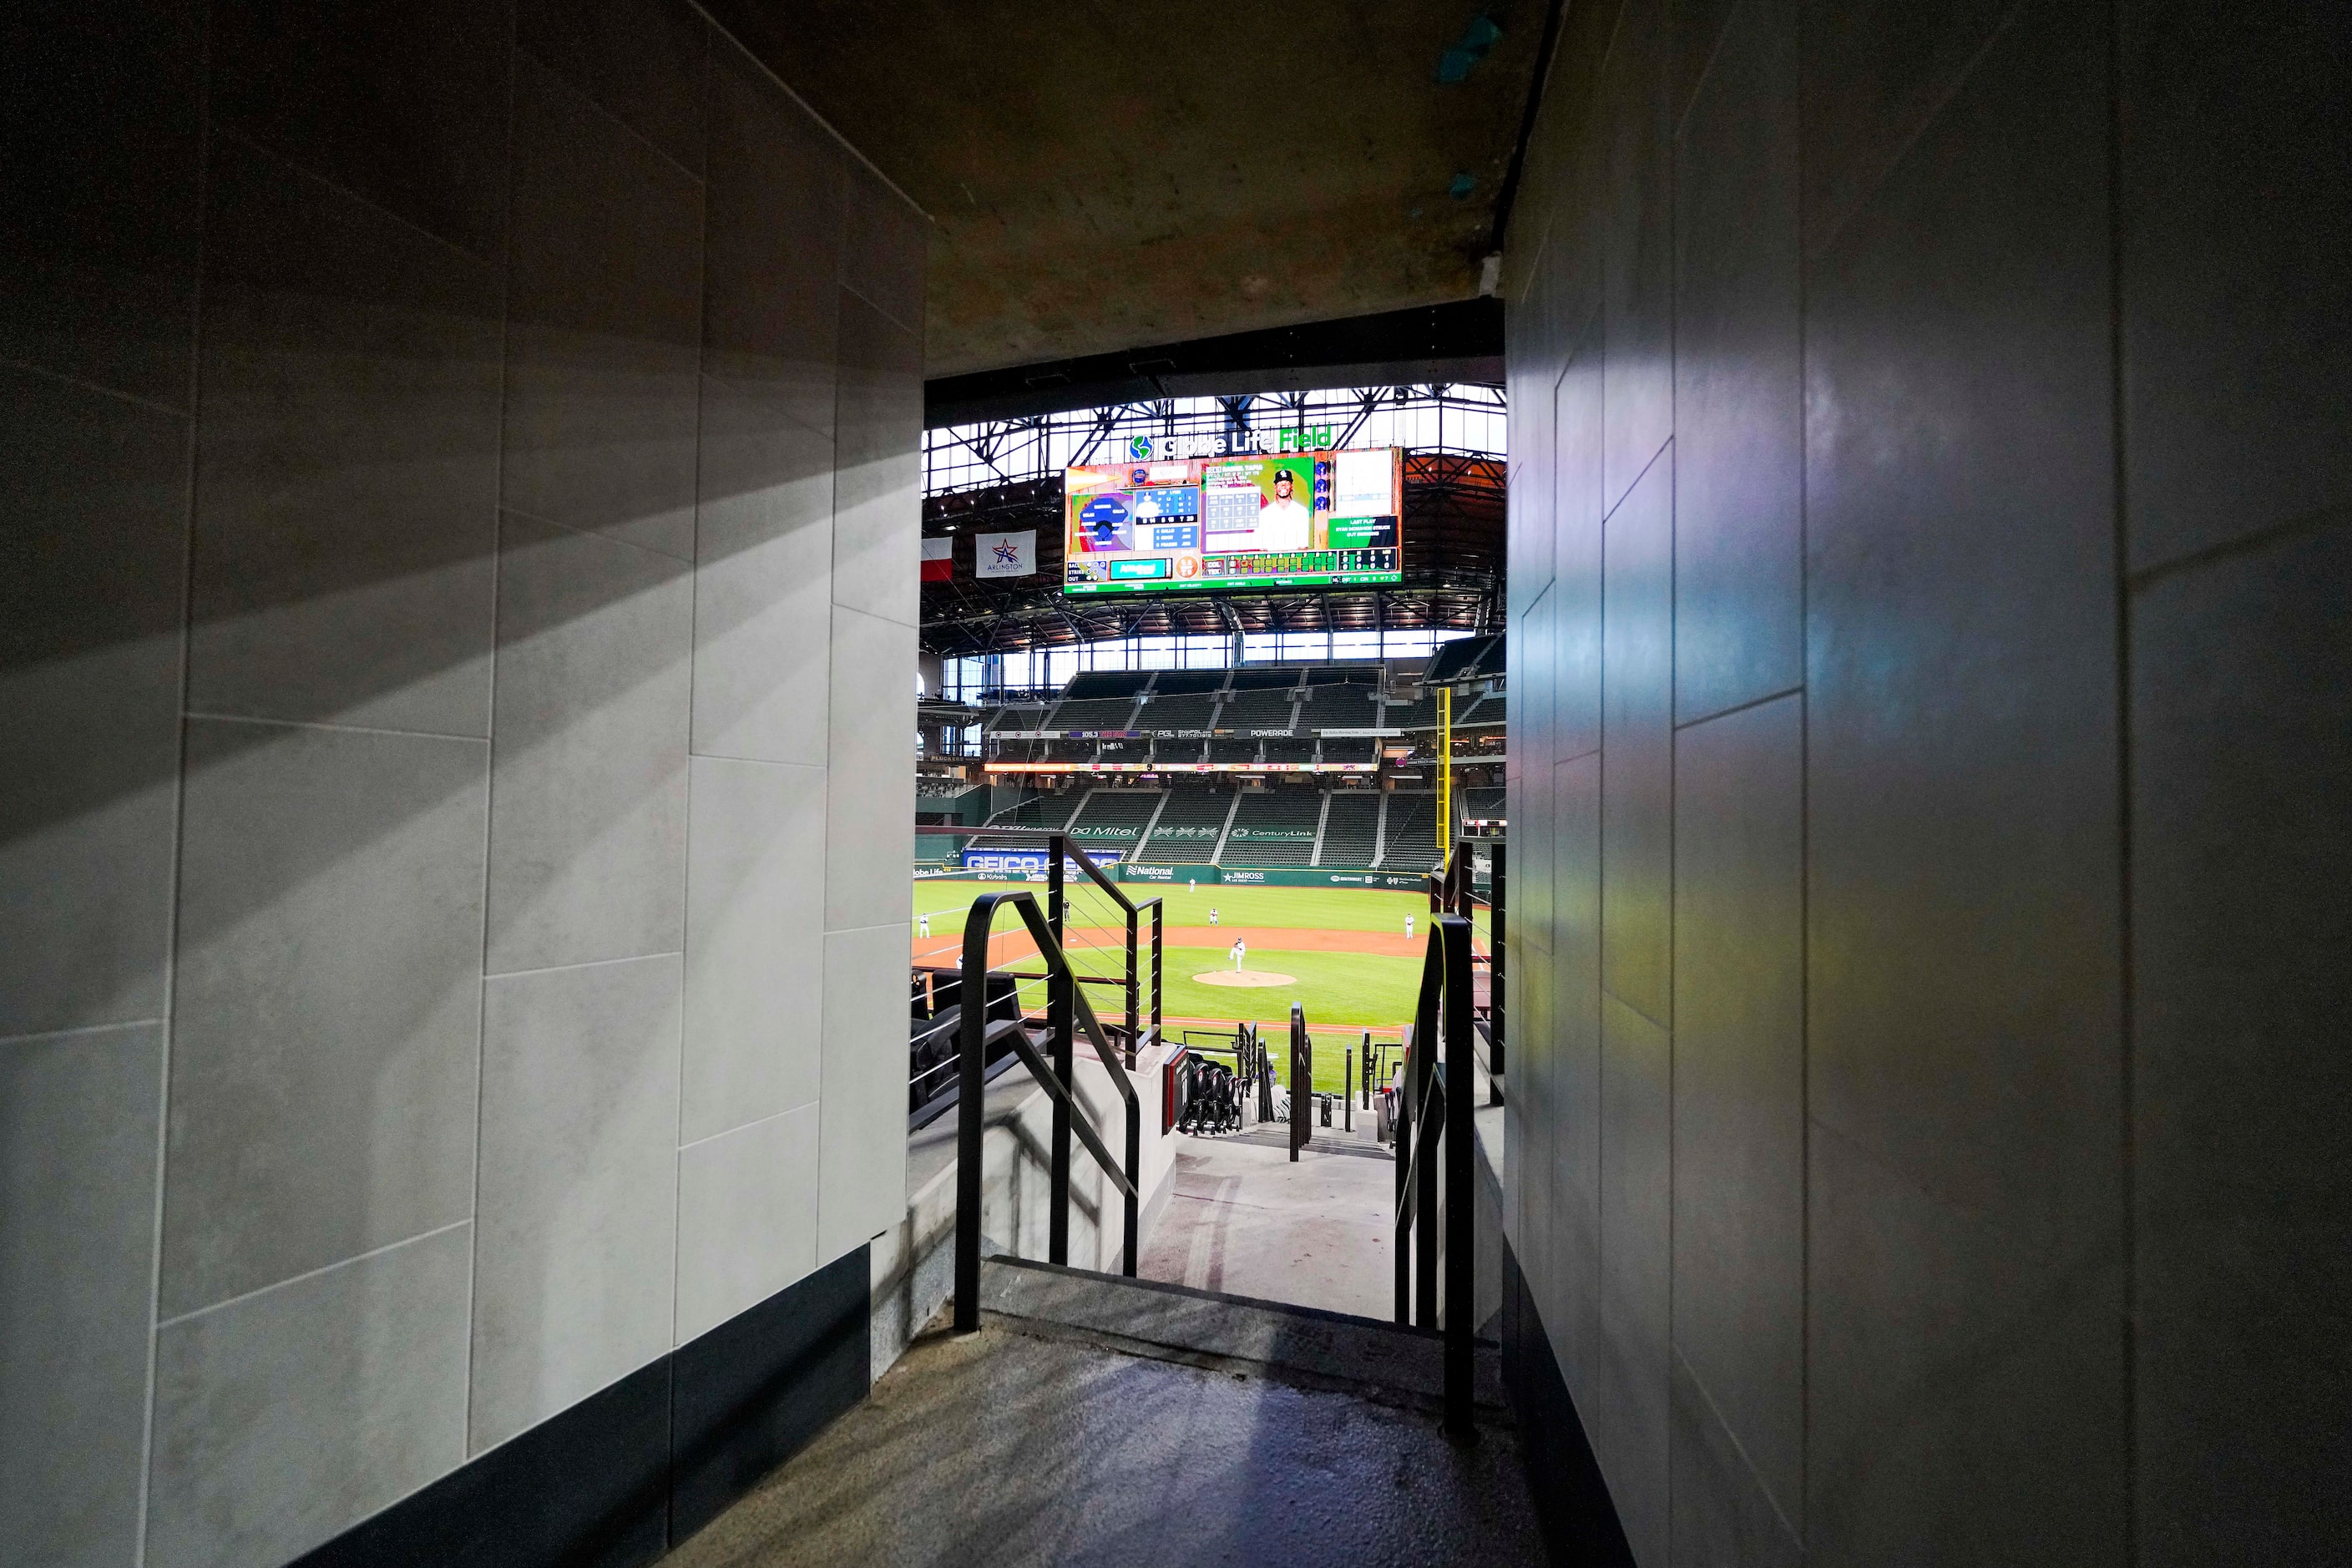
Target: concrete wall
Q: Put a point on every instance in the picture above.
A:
(1931, 730)
(459, 509)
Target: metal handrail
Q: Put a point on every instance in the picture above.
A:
(1437, 1106)
(1455, 889)
(970, 1122)
(1302, 1080)
(1421, 1140)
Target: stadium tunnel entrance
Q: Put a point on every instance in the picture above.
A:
(1825, 528)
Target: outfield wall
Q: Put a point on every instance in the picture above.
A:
(1283, 876)
(1231, 876)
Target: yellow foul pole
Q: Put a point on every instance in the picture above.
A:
(1445, 771)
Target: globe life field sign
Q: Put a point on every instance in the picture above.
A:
(1254, 508)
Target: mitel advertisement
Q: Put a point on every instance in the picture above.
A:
(1307, 518)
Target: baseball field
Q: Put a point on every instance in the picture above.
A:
(1344, 954)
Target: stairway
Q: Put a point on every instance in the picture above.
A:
(1094, 1419)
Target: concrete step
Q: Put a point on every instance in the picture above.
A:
(1303, 1346)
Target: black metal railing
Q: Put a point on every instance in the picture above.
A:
(1055, 1076)
(1435, 1123)
(1302, 1081)
(934, 1069)
(1454, 889)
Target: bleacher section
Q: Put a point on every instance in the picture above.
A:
(1187, 682)
(1099, 699)
(1349, 830)
(1273, 828)
(1188, 827)
(1482, 805)
(1183, 710)
(1487, 710)
(1465, 659)
(1111, 819)
(1340, 708)
(1255, 716)
(1420, 713)
(1258, 707)
(1410, 841)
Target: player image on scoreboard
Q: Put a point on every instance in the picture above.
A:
(1255, 504)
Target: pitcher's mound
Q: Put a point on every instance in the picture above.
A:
(1245, 977)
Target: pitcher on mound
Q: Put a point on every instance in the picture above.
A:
(1240, 952)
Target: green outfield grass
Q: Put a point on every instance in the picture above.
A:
(1341, 991)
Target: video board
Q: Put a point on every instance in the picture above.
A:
(1307, 518)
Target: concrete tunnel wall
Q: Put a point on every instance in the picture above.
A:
(1931, 727)
(459, 505)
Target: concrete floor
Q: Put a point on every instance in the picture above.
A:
(1031, 1443)
(1245, 1221)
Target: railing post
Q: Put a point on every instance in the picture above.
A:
(1134, 992)
(1402, 1132)
(971, 987)
(1424, 1070)
(1348, 1086)
(1065, 1061)
(1301, 1077)
(1129, 1214)
(1461, 1191)
(1159, 936)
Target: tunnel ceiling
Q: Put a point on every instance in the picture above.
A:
(1105, 176)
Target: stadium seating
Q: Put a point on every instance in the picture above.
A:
(1187, 682)
(1111, 819)
(1351, 828)
(1227, 749)
(1340, 708)
(1274, 828)
(1420, 713)
(1485, 710)
(1188, 711)
(1410, 843)
(1099, 699)
(1038, 811)
(1189, 827)
(1465, 659)
(1352, 749)
(1259, 708)
(1482, 805)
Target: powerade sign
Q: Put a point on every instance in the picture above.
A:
(1012, 863)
